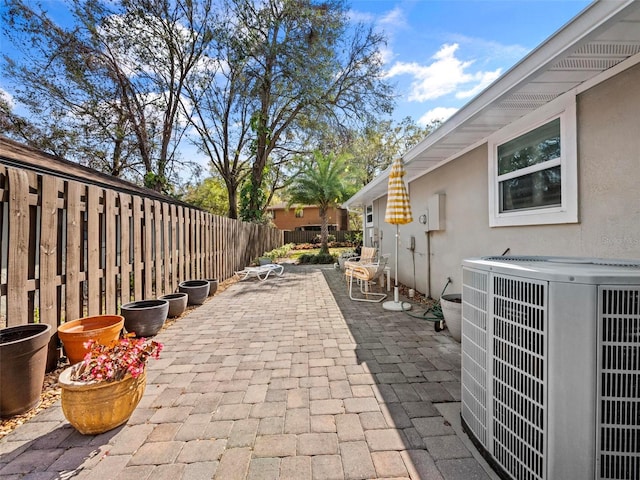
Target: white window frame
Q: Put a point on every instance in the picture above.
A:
(567, 212)
(368, 216)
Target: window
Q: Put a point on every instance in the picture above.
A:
(299, 213)
(533, 169)
(368, 216)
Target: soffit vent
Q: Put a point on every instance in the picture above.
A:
(597, 49)
(519, 101)
(594, 64)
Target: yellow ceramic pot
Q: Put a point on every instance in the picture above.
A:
(97, 407)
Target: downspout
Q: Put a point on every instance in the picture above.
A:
(428, 293)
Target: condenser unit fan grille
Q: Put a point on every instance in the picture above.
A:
(619, 384)
(518, 375)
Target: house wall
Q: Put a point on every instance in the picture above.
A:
(285, 219)
(609, 198)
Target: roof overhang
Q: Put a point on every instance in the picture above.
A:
(602, 36)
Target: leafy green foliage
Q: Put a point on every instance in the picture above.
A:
(210, 195)
(320, 258)
(320, 183)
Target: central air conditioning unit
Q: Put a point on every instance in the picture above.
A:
(551, 366)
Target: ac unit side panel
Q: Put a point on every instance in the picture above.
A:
(519, 369)
(571, 379)
(618, 383)
(474, 352)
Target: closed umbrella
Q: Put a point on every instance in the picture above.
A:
(398, 213)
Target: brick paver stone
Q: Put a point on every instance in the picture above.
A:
(385, 439)
(349, 428)
(295, 468)
(327, 467)
(275, 446)
(317, 444)
(264, 469)
(233, 464)
(356, 461)
(156, 453)
(201, 451)
(389, 464)
(243, 433)
(448, 446)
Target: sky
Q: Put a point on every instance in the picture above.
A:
(442, 53)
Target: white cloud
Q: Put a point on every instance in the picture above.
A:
(7, 97)
(393, 19)
(485, 79)
(438, 113)
(356, 16)
(445, 75)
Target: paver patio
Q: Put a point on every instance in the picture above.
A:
(282, 379)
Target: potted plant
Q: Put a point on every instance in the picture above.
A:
(105, 329)
(145, 318)
(23, 356)
(452, 310)
(101, 392)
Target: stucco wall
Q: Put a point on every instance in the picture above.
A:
(609, 198)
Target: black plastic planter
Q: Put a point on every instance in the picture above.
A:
(198, 290)
(23, 350)
(145, 317)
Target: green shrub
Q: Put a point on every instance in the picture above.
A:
(280, 252)
(321, 258)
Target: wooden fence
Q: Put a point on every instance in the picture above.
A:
(71, 248)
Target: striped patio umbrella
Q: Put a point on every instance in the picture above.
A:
(398, 213)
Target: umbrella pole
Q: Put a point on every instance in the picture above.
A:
(396, 305)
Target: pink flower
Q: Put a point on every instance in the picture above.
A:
(105, 363)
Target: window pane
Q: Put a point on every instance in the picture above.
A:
(537, 146)
(538, 189)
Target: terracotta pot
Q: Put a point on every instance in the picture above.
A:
(97, 407)
(198, 291)
(23, 356)
(177, 303)
(213, 285)
(105, 329)
(452, 311)
(145, 318)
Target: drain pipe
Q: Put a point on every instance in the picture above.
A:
(428, 264)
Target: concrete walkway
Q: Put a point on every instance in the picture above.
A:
(282, 379)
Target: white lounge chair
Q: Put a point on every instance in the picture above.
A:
(261, 272)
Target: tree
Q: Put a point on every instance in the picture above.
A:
(376, 145)
(321, 183)
(300, 64)
(110, 85)
(210, 195)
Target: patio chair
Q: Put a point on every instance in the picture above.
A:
(366, 275)
(260, 272)
(367, 257)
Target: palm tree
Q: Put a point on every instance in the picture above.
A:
(321, 182)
